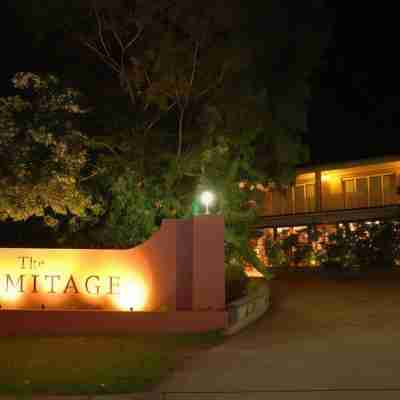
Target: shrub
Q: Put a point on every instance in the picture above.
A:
(236, 282)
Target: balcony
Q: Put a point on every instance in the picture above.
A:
(348, 192)
(329, 216)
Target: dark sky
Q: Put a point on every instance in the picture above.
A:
(354, 112)
(355, 107)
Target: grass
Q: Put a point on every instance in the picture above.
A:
(93, 365)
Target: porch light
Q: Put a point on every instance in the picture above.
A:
(207, 199)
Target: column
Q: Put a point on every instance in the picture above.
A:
(318, 191)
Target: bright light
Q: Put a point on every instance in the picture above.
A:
(207, 198)
(133, 296)
(324, 178)
(11, 295)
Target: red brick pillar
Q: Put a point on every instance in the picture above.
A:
(208, 290)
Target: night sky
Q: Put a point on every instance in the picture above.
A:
(355, 107)
(355, 98)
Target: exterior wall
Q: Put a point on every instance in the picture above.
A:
(208, 263)
(179, 270)
(332, 193)
(27, 323)
(373, 184)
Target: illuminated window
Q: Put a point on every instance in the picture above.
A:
(362, 192)
(349, 191)
(375, 191)
(370, 191)
(304, 198)
(389, 189)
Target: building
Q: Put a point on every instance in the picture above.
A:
(324, 196)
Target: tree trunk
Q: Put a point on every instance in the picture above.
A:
(180, 131)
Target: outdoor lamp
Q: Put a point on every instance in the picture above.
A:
(207, 198)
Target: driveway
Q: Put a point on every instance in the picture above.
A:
(321, 339)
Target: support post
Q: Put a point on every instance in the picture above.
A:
(318, 191)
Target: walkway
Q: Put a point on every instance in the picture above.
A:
(321, 340)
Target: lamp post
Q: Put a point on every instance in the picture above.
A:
(207, 198)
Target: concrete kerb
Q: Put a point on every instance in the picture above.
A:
(127, 396)
(243, 312)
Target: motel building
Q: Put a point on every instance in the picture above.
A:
(328, 196)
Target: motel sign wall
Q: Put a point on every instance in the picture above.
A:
(177, 273)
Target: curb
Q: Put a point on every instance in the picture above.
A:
(245, 311)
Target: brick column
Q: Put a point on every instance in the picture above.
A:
(208, 274)
(318, 191)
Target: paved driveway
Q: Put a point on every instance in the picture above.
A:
(321, 340)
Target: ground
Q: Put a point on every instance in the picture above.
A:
(93, 364)
(342, 337)
(322, 339)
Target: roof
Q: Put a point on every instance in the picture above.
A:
(346, 164)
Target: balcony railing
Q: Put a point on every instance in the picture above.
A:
(330, 216)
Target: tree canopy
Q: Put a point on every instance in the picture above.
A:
(179, 96)
(43, 157)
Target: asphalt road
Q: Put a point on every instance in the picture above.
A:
(320, 340)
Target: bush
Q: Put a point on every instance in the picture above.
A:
(236, 282)
(351, 248)
(276, 254)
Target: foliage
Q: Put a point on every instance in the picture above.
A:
(276, 255)
(361, 245)
(197, 97)
(236, 282)
(226, 166)
(341, 251)
(44, 157)
(185, 66)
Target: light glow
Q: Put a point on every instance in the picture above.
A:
(324, 178)
(11, 295)
(133, 296)
(207, 199)
(75, 279)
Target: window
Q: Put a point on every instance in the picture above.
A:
(310, 197)
(349, 193)
(362, 192)
(375, 191)
(389, 189)
(299, 199)
(370, 191)
(280, 202)
(304, 198)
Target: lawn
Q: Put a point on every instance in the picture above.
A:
(93, 365)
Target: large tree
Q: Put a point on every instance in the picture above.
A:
(44, 158)
(193, 95)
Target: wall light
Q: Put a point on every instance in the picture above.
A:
(207, 199)
(133, 296)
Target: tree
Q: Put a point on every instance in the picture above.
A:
(169, 57)
(44, 158)
(203, 102)
(251, 56)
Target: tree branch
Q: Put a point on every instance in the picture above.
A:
(92, 175)
(156, 120)
(100, 29)
(194, 68)
(218, 82)
(115, 34)
(135, 38)
(108, 60)
(106, 145)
